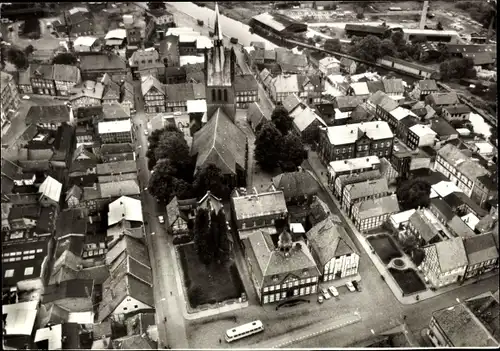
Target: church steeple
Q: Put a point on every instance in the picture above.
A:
(218, 37)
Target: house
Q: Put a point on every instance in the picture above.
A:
(115, 131)
(258, 211)
(445, 262)
(127, 96)
(394, 88)
(291, 62)
(351, 166)
(162, 18)
(347, 104)
(87, 94)
(333, 250)
(283, 85)
(423, 88)
(177, 96)
(439, 100)
(49, 117)
(461, 169)
(423, 226)
(169, 51)
(384, 108)
(10, 99)
(42, 79)
(307, 124)
(256, 115)
(292, 102)
(154, 95)
(144, 59)
(65, 78)
(25, 260)
(459, 112)
(19, 323)
(95, 65)
(65, 336)
(359, 89)
(373, 213)
(128, 289)
(420, 135)
(280, 272)
(357, 192)
(444, 130)
(298, 187)
(116, 38)
(482, 254)
(178, 75)
(355, 140)
(178, 218)
(472, 323)
(193, 74)
(246, 89)
(50, 192)
(72, 295)
(111, 168)
(114, 112)
(86, 44)
(329, 65)
(311, 88)
(222, 143)
(117, 152)
(348, 66)
(111, 93)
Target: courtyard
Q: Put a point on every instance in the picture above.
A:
(385, 247)
(408, 280)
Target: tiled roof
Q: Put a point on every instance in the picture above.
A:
(114, 111)
(423, 226)
(443, 208)
(131, 247)
(393, 86)
(90, 62)
(305, 118)
(296, 184)
(256, 114)
(68, 289)
(121, 188)
(441, 99)
(428, 84)
(451, 254)
(71, 221)
(150, 82)
(348, 134)
(220, 142)
(330, 240)
(441, 127)
(179, 92)
(375, 86)
(462, 162)
(66, 73)
(124, 208)
(44, 71)
(480, 248)
(117, 148)
(368, 188)
(286, 83)
(460, 108)
(245, 82)
(48, 114)
(377, 207)
(291, 102)
(51, 188)
(116, 167)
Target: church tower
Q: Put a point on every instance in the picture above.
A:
(219, 68)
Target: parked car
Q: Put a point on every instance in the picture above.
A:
(146, 132)
(234, 40)
(333, 290)
(161, 219)
(321, 299)
(146, 188)
(26, 97)
(350, 286)
(357, 285)
(152, 233)
(325, 294)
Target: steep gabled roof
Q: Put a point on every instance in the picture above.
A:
(220, 142)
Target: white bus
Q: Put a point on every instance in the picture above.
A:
(395, 9)
(244, 331)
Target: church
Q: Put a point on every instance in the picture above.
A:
(220, 141)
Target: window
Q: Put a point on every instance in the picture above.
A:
(213, 95)
(225, 95)
(266, 289)
(9, 273)
(125, 308)
(28, 271)
(219, 93)
(135, 306)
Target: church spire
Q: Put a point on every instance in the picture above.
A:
(217, 29)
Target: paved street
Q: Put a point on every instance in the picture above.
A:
(167, 301)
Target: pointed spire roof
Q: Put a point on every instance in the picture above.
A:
(217, 28)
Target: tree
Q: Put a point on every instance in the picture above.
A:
(202, 235)
(182, 189)
(409, 243)
(292, 154)
(174, 147)
(223, 240)
(153, 5)
(17, 57)
(162, 181)
(282, 119)
(65, 58)
(367, 49)
(29, 50)
(387, 48)
(414, 193)
(210, 178)
(333, 45)
(267, 146)
(439, 26)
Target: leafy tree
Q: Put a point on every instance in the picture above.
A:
(387, 48)
(281, 119)
(414, 193)
(210, 178)
(29, 50)
(360, 15)
(439, 26)
(154, 5)
(333, 45)
(409, 243)
(65, 58)
(174, 147)
(223, 240)
(367, 49)
(267, 146)
(182, 189)
(17, 57)
(417, 256)
(293, 152)
(162, 181)
(202, 236)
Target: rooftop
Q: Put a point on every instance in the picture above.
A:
(296, 184)
(377, 207)
(258, 205)
(350, 133)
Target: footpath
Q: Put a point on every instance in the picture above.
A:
(322, 174)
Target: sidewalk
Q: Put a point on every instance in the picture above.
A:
(317, 167)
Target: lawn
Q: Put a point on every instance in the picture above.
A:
(208, 284)
(385, 248)
(408, 280)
